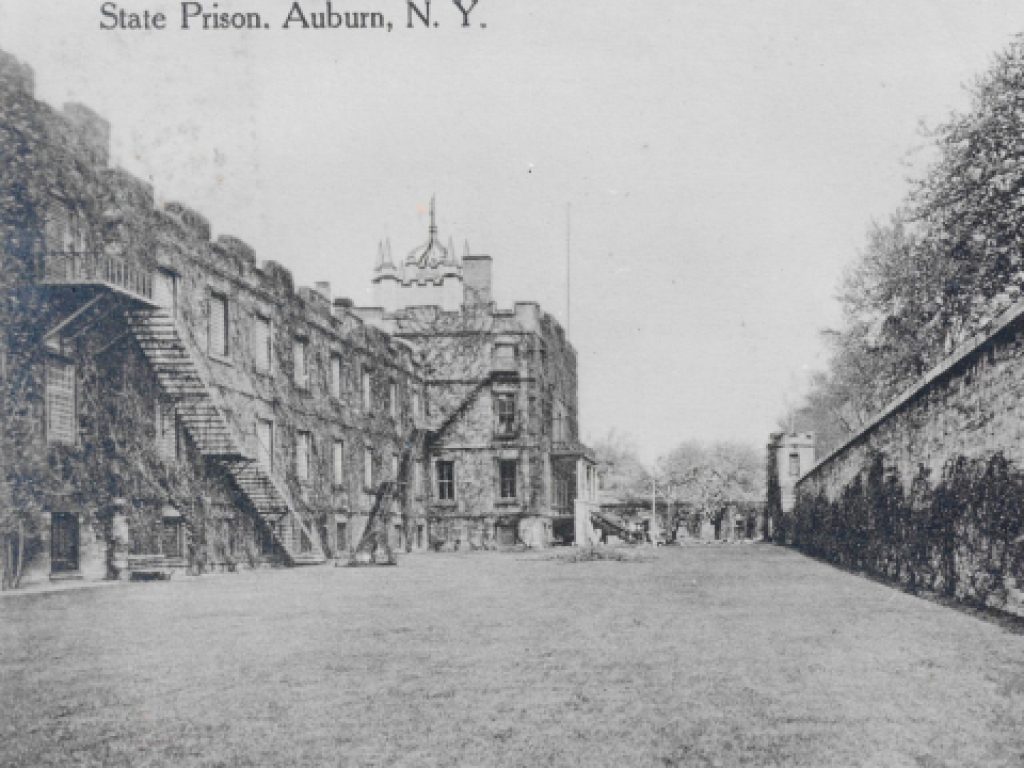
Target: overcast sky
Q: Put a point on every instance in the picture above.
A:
(722, 160)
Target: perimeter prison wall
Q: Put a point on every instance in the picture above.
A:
(930, 494)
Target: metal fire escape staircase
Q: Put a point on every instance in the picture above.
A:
(611, 524)
(215, 435)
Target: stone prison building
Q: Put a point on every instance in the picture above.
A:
(170, 402)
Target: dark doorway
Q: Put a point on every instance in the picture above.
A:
(342, 537)
(172, 540)
(63, 543)
(564, 530)
(264, 540)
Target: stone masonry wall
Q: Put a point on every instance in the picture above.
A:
(470, 359)
(925, 492)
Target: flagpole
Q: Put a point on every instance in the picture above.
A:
(568, 269)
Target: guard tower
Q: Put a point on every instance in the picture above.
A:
(789, 456)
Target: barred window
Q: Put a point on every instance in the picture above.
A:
(335, 375)
(61, 406)
(262, 339)
(446, 480)
(219, 331)
(338, 458)
(302, 450)
(265, 443)
(301, 371)
(367, 391)
(368, 468)
(507, 470)
(166, 431)
(505, 353)
(506, 405)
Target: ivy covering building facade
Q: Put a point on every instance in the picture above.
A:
(172, 403)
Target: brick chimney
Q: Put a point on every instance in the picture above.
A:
(476, 279)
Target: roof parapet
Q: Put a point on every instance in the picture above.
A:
(193, 221)
(93, 131)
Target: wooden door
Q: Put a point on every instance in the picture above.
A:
(165, 290)
(63, 543)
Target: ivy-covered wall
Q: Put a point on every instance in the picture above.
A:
(58, 196)
(360, 398)
(930, 493)
(958, 534)
(471, 358)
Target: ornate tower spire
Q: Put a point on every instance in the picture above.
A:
(432, 253)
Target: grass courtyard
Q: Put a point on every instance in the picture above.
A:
(714, 655)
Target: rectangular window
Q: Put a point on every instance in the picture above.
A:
(367, 468)
(506, 406)
(265, 443)
(505, 353)
(561, 431)
(262, 340)
(446, 480)
(61, 405)
(219, 331)
(794, 465)
(367, 391)
(299, 357)
(394, 466)
(166, 431)
(302, 449)
(505, 358)
(338, 459)
(393, 399)
(335, 375)
(507, 476)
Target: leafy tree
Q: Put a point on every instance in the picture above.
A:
(939, 270)
(970, 205)
(706, 477)
(622, 472)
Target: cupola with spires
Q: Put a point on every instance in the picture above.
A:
(430, 275)
(384, 260)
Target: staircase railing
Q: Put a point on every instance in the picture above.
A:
(75, 267)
